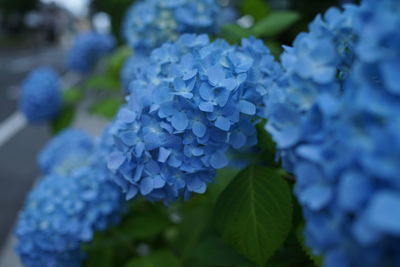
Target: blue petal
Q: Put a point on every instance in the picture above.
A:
(146, 186)
(247, 107)
(351, 199)
(159, 182)
(229, 84)
(218, 160)
(199, 129)
(129, 138)
(324, 74)
(189, 74)
(174, 162)
(384, 212)
(215, 75)
(127, 116)
(316, 197)
(116, 160)
(223, 123)
(196, 185)
(180, 121)
(222, 97)
(139, 149)
(237, 139)
(206, 106)
(132, 192)
(163, 154)
(206, 91)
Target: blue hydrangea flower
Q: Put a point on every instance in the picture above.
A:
(87, 49)
(336, 119)
(192, 102)
(67, 151)
(132, 69)
(40, 98)
(150, 23)
(63, 211)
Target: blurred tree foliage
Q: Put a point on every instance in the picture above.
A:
(13, 11)
(116, 9)
(22, 6)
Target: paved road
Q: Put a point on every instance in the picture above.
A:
(18, 156)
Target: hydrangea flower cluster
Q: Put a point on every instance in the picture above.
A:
(87, 49)
(150, 23)
(336, 119)
(63, 211)
(133, 67)
(190, 104)
(66, 152)
(40, 98)
(315, 68)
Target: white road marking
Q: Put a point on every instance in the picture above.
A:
(11, 126)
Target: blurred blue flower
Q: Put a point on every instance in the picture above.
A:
(63, 211)
(191, 102)
(87, 49)
(335, 117)
(66, 152)
(150, 23)
(132, 69)
(40, 98)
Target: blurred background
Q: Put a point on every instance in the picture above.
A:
(38, 32)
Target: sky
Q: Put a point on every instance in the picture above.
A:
(77, 7)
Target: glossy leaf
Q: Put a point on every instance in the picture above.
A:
(215, 252)
(72, 96)
(254, 213)
(103, 82)
(164, 258)
(145, 225)
(233, 33)
(106, 108)
(255, 8)
(195, 219)
(63, 120)
(275, 23)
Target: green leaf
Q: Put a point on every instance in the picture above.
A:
(164, 258)
(103, 82)
(117, 60)
(267, 146)
(72, 96)
(215, 252)
(258, 9)
(146, 225)
(233, 33)
(254, 213)
(63, 119)
(224, 177)
(275, 48)
(195, 220)
(275, 23)
(317, 260)
(106, 108)
(100, 258)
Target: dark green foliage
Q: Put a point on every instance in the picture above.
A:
(63, 120)
(254, 213)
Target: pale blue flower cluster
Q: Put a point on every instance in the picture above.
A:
(65, 152)
(40, 98)
(132, 68)
(65, 209)
(335, 117)
(87, 49)
(192, 102)
(150, 23)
